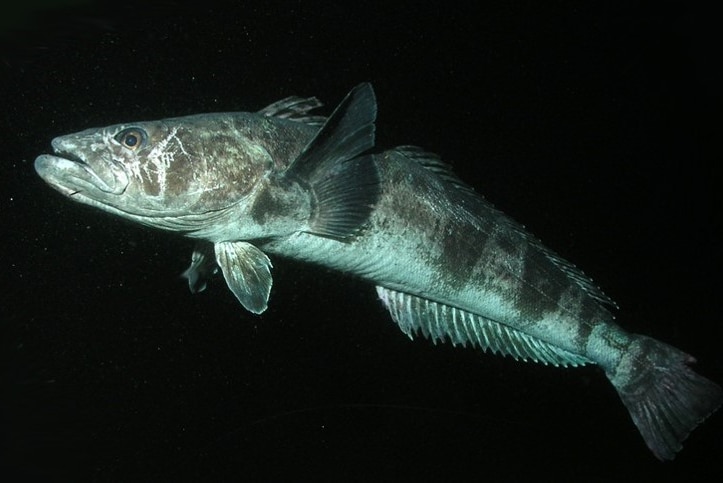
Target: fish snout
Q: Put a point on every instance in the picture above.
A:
(64, 145)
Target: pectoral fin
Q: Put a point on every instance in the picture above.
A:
(343, 180)
(247, 271)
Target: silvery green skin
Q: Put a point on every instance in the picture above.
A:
(445, 262)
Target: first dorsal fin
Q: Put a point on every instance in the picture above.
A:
(437, 321)
(295, 108)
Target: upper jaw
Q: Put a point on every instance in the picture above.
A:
(68, 155)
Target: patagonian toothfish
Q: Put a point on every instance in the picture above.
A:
(444, 261)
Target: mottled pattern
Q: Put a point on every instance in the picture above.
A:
(540, 291)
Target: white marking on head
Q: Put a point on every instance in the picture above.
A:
(159, 159)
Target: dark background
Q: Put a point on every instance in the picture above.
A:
(596, 126)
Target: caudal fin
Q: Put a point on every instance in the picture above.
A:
(664, 396)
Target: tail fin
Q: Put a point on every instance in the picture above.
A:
(665, 398)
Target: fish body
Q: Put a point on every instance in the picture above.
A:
(445, 262)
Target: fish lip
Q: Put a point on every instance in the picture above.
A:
(68, 156)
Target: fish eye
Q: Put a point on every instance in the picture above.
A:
(132, 138)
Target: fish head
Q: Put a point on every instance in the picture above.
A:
(175, 173)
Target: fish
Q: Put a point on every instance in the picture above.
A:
(446, 264)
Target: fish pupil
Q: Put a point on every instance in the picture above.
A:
(131, 140)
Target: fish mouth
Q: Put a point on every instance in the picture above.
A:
(70, 174)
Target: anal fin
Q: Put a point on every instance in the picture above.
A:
(438, 322)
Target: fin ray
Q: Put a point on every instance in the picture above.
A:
(666, 399)
(247, 271)
(477, 206)
(438, 322)
(295, 108)
(203, 267)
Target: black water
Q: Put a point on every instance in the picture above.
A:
(597, 127)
